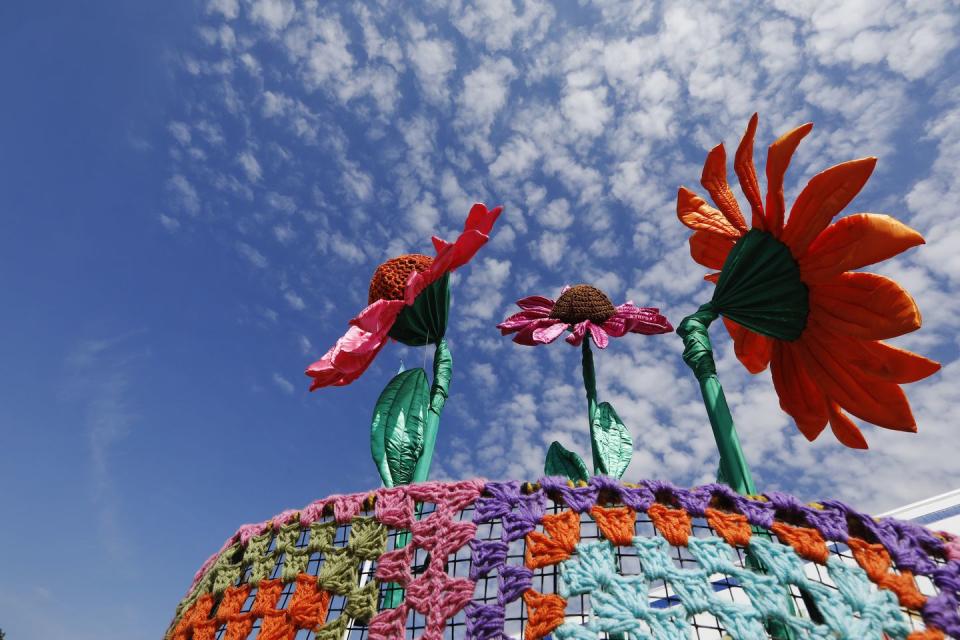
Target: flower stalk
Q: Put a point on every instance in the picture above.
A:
(439, 392)
(698, 355)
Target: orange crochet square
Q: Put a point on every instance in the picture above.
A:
(544, 613)
(732, 527)
(308, 607)
(673, 524)
(875, 561)
(808, 543)
(615, 523)
(560, 538)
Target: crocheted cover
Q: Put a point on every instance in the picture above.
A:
(489, 560)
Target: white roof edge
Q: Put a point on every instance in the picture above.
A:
(926, 506)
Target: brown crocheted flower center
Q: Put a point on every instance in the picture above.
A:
(390, 278)
(583, 302)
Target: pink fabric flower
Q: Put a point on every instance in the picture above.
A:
(581, 310)
(369, 331)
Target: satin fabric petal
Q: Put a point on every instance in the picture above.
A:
(579, 331)
(747, 174)
(751, 349)
(536, 303)
(864, 305)
(353, 353)
(844, 428)
(826, 195)
(710, 249)
(875, 401)
(598, 334)
(519, 320)
(694, 212)
(800, 397)
(714, 180)
(451, 256)
(525, 335)
(547, 334)
(778, 159)
(615, 326)
(875, 359)
(854, 242)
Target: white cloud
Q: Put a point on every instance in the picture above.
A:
(253, 256)
(283, 384)
(432, 60)
(169, 223)
(180, 131)
(294, 300)
(184, 193)
(555, 215)
(587, 110)
(248, 162)
(229, 9)
(274, 14)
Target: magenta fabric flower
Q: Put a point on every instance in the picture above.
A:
(580, 309)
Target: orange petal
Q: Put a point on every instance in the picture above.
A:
(877, 359)
(747, 174)
(881, 403)
(854, 242)
(778, 159)
(710, 249)
(844, 428)
(714, 180)
(694, 212)
(799, 395)
(712, 277)
(864, 305)
(825, 196)
(752, 349)
(889, 363)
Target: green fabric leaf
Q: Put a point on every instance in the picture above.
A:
(396, 432)
(612, 444)
(425, 321)
(561, 462)
(760, 288)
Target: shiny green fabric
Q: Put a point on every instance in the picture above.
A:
(698, 354)
(397, 428)
(561, 462)
(425, 321)
(439, 391)
(760, 288)
(611, 442)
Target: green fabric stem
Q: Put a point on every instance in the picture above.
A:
(439, 391)
(733, 469)
(698, 354)
(589, 385)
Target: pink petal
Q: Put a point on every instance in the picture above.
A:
(357, 348)
(481, 219)
(579, 331)
(645, 320)
(526, 334)
(599, 335)
(549, 333)
(518, 321)
(536, 303)
(451, 256)
(379, 316)
(615, 327)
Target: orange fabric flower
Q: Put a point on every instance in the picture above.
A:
(838, 363)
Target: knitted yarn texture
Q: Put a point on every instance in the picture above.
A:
(488, 560)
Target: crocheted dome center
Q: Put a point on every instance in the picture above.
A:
(583, 302)
(390, 278)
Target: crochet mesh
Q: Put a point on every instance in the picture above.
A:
(488, 560)
(390, 278)
(583, 302)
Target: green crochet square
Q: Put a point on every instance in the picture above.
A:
(368, 538)
(340, 573)
(321, 537)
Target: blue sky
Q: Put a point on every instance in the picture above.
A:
(193, 197)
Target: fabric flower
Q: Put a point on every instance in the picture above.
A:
(839, 362)
(581, 309)
(396, 286)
